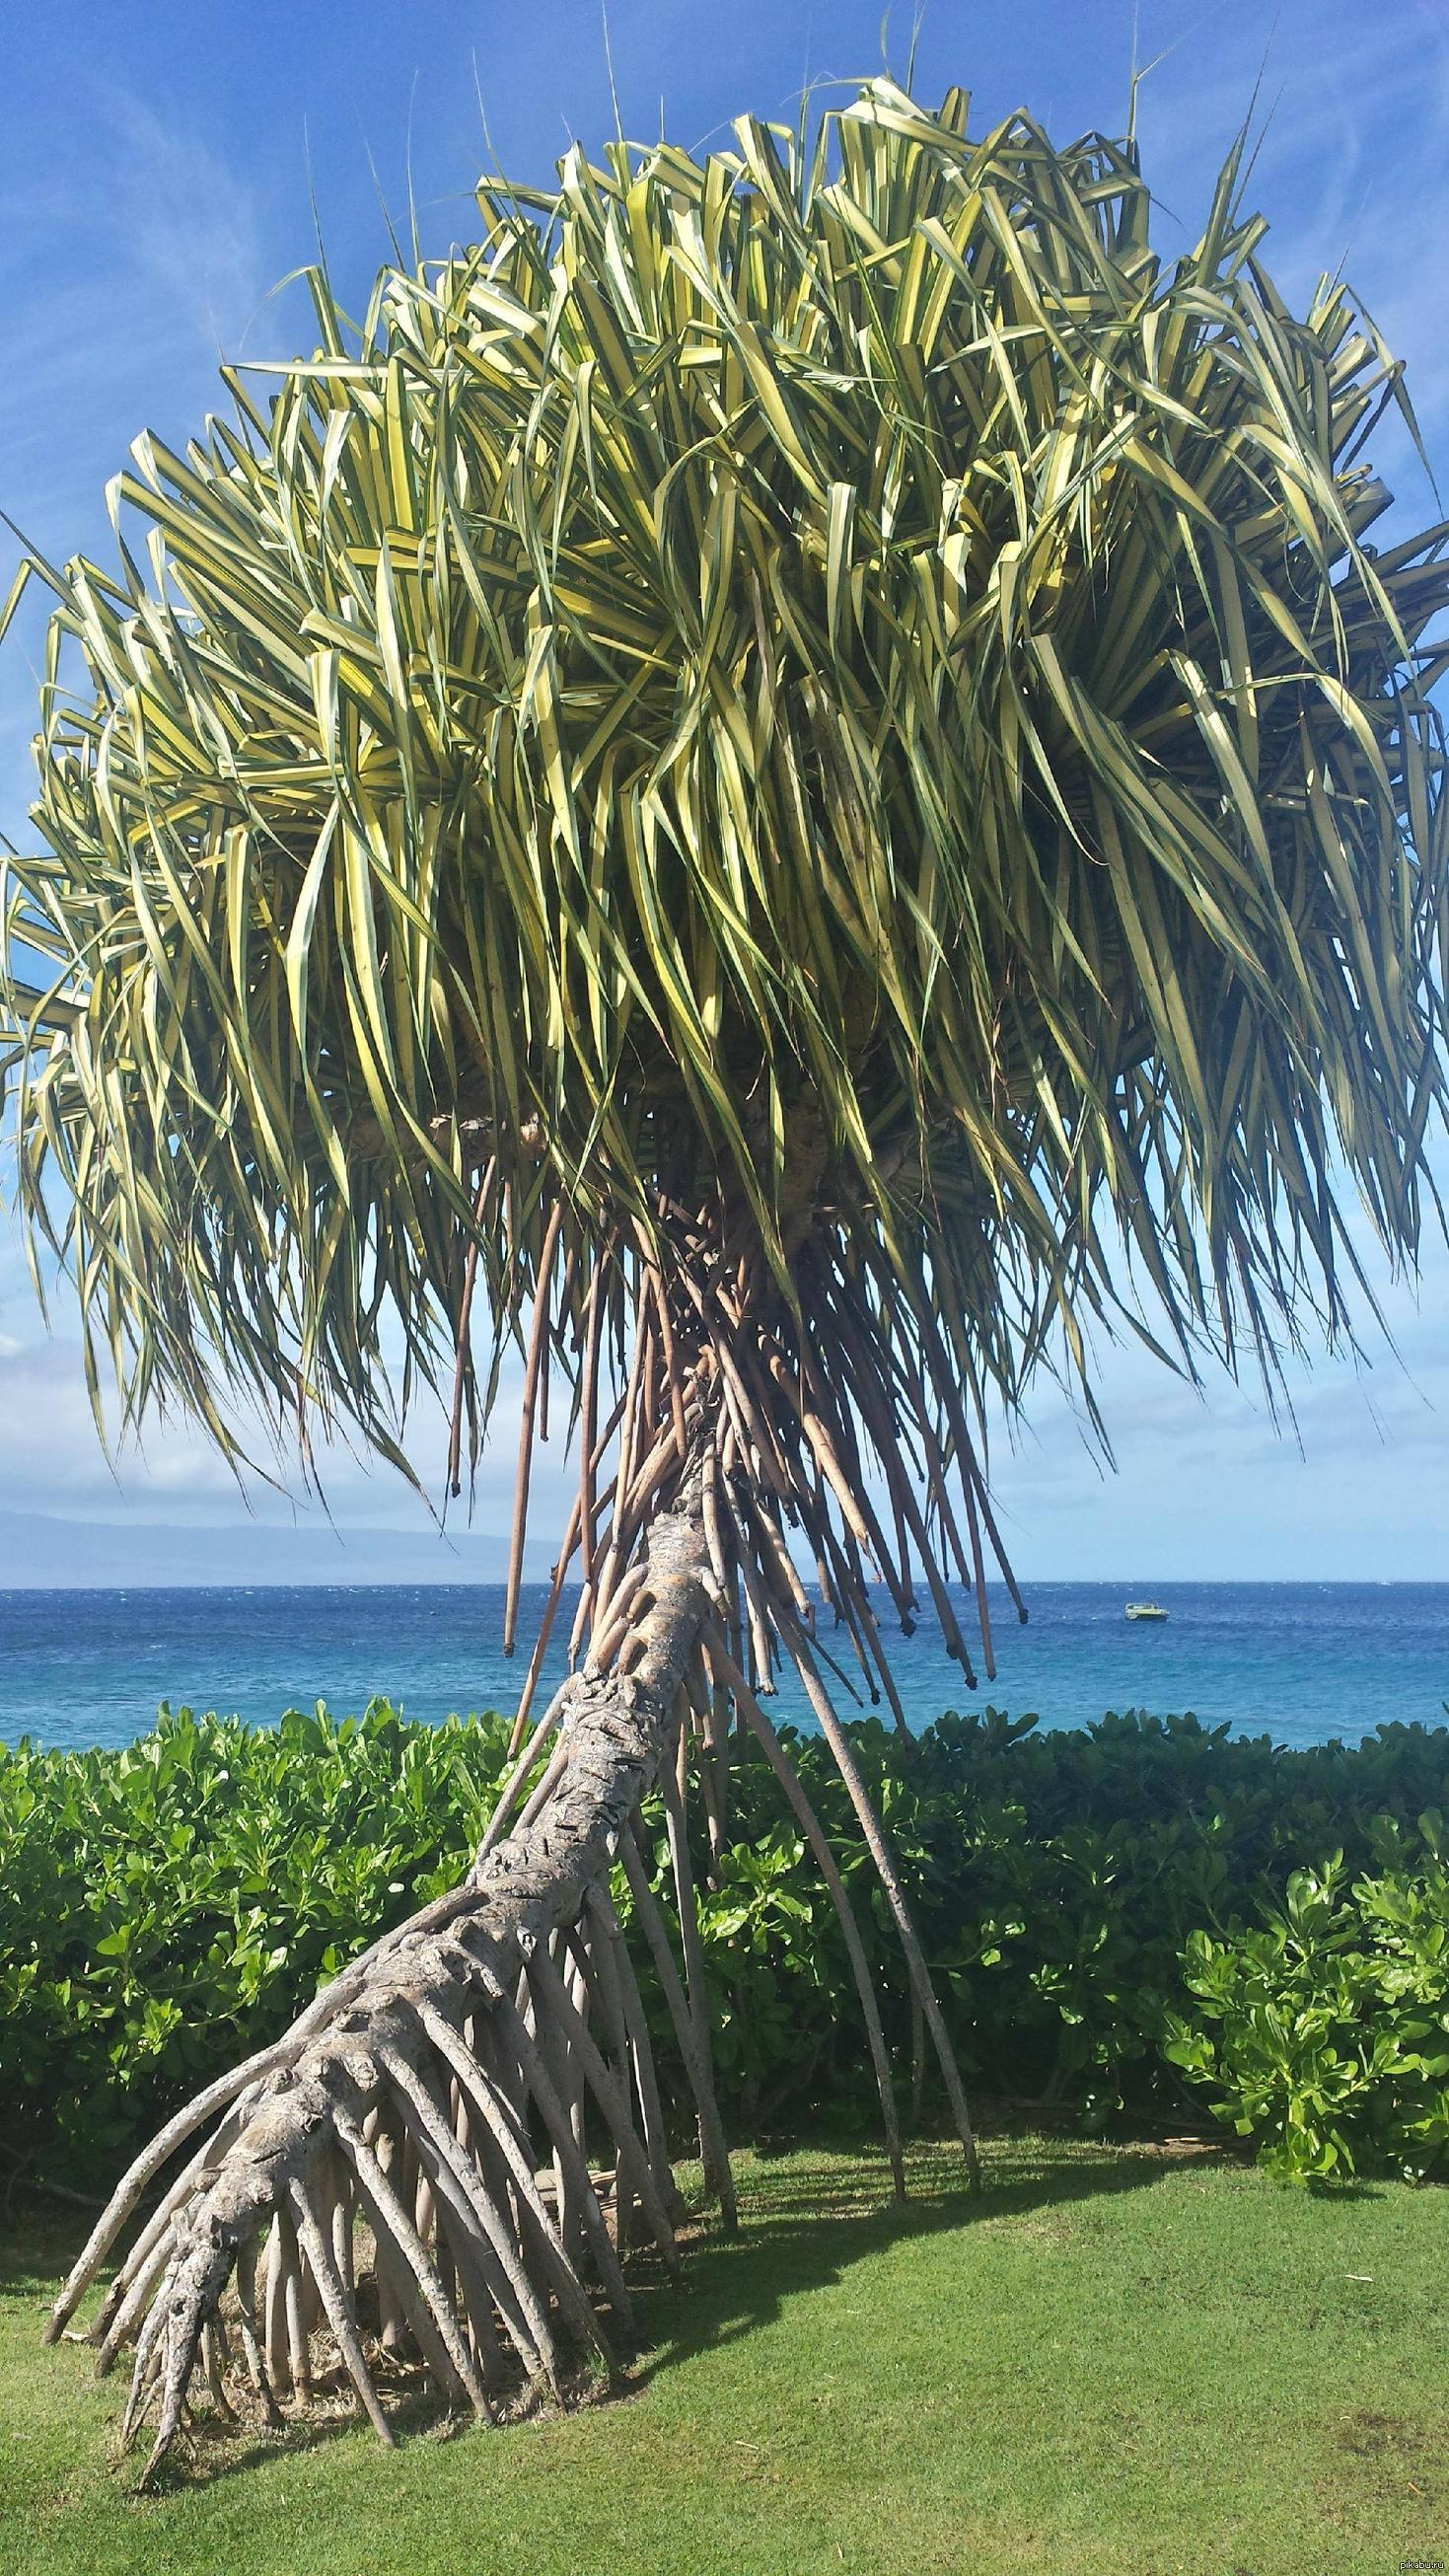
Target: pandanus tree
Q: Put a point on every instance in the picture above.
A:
(787, 783)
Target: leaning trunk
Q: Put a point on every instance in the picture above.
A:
(425, 2073)
(406, 2176)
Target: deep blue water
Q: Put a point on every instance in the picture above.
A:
(1298, 1661)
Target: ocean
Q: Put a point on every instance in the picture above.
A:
(1297, 1661)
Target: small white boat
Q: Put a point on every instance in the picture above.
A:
(1145, 1610)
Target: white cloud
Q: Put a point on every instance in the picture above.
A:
(191, 226)
(155, 265)
(1351, 165)
(126, 272)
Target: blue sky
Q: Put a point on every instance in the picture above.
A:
(157, 166)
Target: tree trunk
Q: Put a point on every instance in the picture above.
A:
(452, 2043)
(444, 2092)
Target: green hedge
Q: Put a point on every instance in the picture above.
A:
(1121, 1918)
(1324, 2035)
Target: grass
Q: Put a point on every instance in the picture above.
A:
(1118, 2362)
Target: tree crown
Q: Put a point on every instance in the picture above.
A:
(817, 706)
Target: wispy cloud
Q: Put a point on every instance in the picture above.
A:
(1349, 112)
(125, 275)
(155, 262)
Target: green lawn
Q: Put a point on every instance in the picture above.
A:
(1115, 2363)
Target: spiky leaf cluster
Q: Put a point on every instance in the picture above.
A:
(819, 708)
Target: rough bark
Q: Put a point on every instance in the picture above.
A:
(406, 2175)
(381, 2049)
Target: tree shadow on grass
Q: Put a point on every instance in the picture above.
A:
(807, 2217)
(38, 2244)
(804, 2225)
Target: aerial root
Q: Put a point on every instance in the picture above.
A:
(380, 2201)
(815, 1836)
(402, 2190)
(406, 2177)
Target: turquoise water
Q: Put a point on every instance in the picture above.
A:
(1298, 1661)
